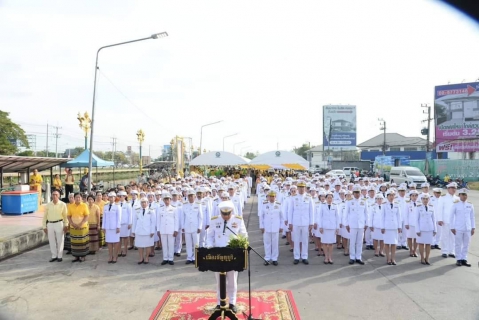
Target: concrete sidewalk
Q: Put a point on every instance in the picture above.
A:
(21, 233)
(98, 290)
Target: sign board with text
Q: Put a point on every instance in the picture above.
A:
(339, 127)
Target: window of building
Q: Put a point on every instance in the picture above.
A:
(395, 149)
(410, 148)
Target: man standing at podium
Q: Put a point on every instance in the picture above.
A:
(218, 235)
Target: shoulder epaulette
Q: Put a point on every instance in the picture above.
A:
(456, 201)
(265, 202)
(241, 218)
(213, 218)
(277, 202)
(408, 201)
(198, 202)
(430, 205)
(173, 206)
(419, 205)
(468, 201)
(443, 195)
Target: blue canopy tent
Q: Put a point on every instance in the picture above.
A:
(82, 161)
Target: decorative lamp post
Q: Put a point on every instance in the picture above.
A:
(85, 124)
(141, 137)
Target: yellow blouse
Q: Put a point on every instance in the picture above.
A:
(36, 180)
(101, 206)
(78, 212)
(57, 183)
(92, 218)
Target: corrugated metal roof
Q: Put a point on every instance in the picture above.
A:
(10, 164)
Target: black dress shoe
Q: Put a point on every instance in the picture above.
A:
(232, 307)
(427, 262)
(351, 261)
(141, 262)
(266, 263)
(177, 254)
(464, 263)
(305, 261)
(52, 259)
(405, 247)
(59, 260)
(444, 255)
(69, 252)
(171, 263)
(296, 261)
(187, 262)
(359, 261)
(393, 263)
(275, 263)
(458, 263)
(330, 262)
(451, 255)
(283, 237)
(290, 250)
(438, 247)
(130, 248)
(164, 262)
(287, 243)
(367, 248)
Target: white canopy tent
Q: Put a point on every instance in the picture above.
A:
(279, 159)
(218, 158)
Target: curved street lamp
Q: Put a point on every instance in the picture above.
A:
(234, 146)
(153, 36)
(201, 134)
(141, 137)
(231, 135)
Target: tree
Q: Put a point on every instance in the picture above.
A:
(11, 135)
(43, 153)
(301, 151)
(26, 153)
(250, 155)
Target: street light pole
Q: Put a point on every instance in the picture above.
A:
(154, 36)
(383, 124)
(234, 146)
(231, 135)
(201, 133)
(141, 137)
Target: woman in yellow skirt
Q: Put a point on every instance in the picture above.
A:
(93, 224)
(101, 204)
(36, 181)
(78, 218)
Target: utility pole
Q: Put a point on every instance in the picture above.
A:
(113, 158)
(56, 140)
(383, 124)
(47, 140)
(428, 133)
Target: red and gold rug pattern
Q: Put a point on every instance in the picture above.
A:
(199, 305)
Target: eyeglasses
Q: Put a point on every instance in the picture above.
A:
(225, 213)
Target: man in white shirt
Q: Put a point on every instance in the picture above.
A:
(444, 216)
(463, 226)
(356, 222)
(191, 223)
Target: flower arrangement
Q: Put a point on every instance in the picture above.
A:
(239, 241)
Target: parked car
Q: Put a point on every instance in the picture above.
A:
(407, 175)
(348, 170)
(337, 173)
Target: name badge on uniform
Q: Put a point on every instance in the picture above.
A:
(276, 207)
(234, 225)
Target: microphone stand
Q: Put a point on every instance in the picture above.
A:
(250, 317)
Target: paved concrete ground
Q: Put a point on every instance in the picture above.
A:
(32, 288)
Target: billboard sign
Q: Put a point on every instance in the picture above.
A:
(456, 114)
(339, 127)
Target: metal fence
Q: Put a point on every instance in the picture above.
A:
(465, 169)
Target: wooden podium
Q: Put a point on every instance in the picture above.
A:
(221, 260)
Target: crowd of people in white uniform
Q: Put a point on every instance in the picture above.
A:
(327, 210)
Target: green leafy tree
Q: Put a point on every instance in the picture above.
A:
(250, 155)
(10, 131)
(26, 153)
(301, 151)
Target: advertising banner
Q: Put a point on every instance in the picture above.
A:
(456, 114)
(339, 128)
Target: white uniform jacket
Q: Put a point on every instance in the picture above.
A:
(144, 221)
(192, 217)
(356, 213)
(167, 221)
(462, 216)
(301, 210)
(272, 217)
(111, 217)
(391, 216)
(328, 216)
(410, 213)
(219, 236)
(376, 215)
(426, 220)
(126, 216)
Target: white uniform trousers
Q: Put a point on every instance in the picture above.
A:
(447, 239)
(271, 246)
(368, 237)
(402, 237)
(168, 246)
(178, 241)
(436, 240)
(248, 191)
(203, 238)
(192, 240)
(56, 238)
(355, 243)
(231, 286)
(463, 239)
(300, 235)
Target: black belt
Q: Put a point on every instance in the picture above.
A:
(54, 221)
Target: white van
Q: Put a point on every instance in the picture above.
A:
(407, 175)
(348, 170)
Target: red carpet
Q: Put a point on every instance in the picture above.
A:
(199, 305)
